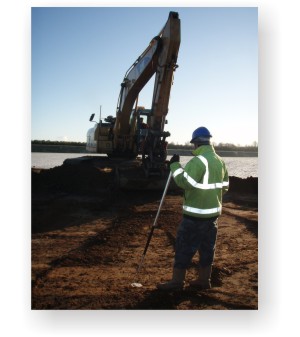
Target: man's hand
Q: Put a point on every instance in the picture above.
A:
(174, 159)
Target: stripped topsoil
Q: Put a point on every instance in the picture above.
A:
(88, 237)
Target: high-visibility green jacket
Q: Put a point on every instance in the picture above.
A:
(204, 180)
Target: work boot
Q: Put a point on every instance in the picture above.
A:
(203, 280)
(177, 281)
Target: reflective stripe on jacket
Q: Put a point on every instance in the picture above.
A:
(204, 180)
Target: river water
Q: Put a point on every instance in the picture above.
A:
(241, 167)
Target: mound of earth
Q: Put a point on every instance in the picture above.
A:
(88, 236)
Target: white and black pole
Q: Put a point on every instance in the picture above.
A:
(136, 284)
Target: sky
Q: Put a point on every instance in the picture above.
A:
(79, 56)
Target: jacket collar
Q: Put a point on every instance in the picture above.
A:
(203, 149)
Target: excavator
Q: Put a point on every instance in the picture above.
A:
(136, 130)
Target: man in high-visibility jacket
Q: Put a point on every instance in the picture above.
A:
(204, 181)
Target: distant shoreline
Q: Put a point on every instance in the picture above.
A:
(221, 153)
(181, 152)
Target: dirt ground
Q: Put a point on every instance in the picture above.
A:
(88, 237)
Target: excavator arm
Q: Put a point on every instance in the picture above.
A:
(167, 64)
(155, 152)
(121, 137)
(135, 79)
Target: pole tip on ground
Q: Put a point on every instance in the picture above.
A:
(136, 285)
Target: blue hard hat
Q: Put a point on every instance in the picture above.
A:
(201, 134)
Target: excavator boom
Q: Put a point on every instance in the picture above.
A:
(167, 64)
(126, 136)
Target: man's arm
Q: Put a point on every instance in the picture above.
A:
(187, 177)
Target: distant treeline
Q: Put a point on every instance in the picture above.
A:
(187, 146)
(218, 147)
(51, 142)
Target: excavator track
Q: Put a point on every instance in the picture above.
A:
(125, 174)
